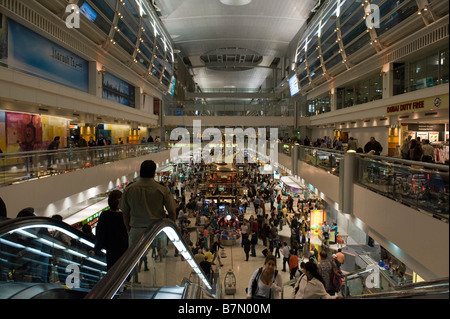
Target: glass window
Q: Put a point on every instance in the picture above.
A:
(354, 20)
(123, 43)
(304, 82)
(349, 10)
(329, 42)
(396, 17)
(314, 65)
(328, 54)
(353, 34)
(104, 8)
(104, 25)
(141, 59)
(358, 44)
(303, 75)
(399, 79)
(424, 73)
(444, 66)
(363, 91)
(316, 73)
(126, 31)
(333, 61)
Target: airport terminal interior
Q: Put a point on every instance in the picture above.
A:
(308, 139)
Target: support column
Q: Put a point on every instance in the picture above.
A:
(388, 80)
(294, 159)
(347, 173)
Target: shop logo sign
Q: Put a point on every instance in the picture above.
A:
(372, 16)
(213, 152)
(73, 19)
(437, 101)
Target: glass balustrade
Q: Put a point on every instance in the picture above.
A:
(159, 265)
(414, 185)
(322, 158)
(45, 259)
(417, 184)
(17, 167)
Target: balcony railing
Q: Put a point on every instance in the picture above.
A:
(23, 166)
(424, 186)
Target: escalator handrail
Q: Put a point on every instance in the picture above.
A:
(116, 276)
(408, 293)
(15, 223)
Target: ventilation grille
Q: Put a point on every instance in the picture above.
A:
(432, 37)
(44, 24)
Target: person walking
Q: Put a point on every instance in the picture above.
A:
(293, 264)
(254, 241)
(404, 150)
(285, 251)
(215, 251)
(310, 285)
(266, 282)
(352, 144)
(326, 270)
(247, 245)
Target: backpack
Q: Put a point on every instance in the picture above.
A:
(338, 279)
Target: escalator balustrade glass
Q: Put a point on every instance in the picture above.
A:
(41, 251)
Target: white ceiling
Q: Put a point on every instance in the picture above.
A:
(265, 26)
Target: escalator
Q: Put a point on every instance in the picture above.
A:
(158, 266)
(373, 282)
(43, 258)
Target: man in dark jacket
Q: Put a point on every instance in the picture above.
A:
(373, 145)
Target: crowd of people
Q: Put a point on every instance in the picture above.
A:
(146, 201)
(417, 150)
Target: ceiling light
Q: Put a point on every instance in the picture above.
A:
(235, 2)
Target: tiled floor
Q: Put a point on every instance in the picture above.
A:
(243, 270)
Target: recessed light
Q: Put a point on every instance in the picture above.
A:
(235, 2)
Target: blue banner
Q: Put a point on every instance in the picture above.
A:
(33, 54)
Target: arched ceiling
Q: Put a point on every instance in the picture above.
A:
(263, 27)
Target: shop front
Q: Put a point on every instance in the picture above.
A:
(423, 119)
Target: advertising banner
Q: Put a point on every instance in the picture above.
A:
(35, 55)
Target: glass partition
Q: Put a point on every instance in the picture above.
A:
(420, 185)
(41, 258)
(413, 185)
(16, 167)
(322, 158)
